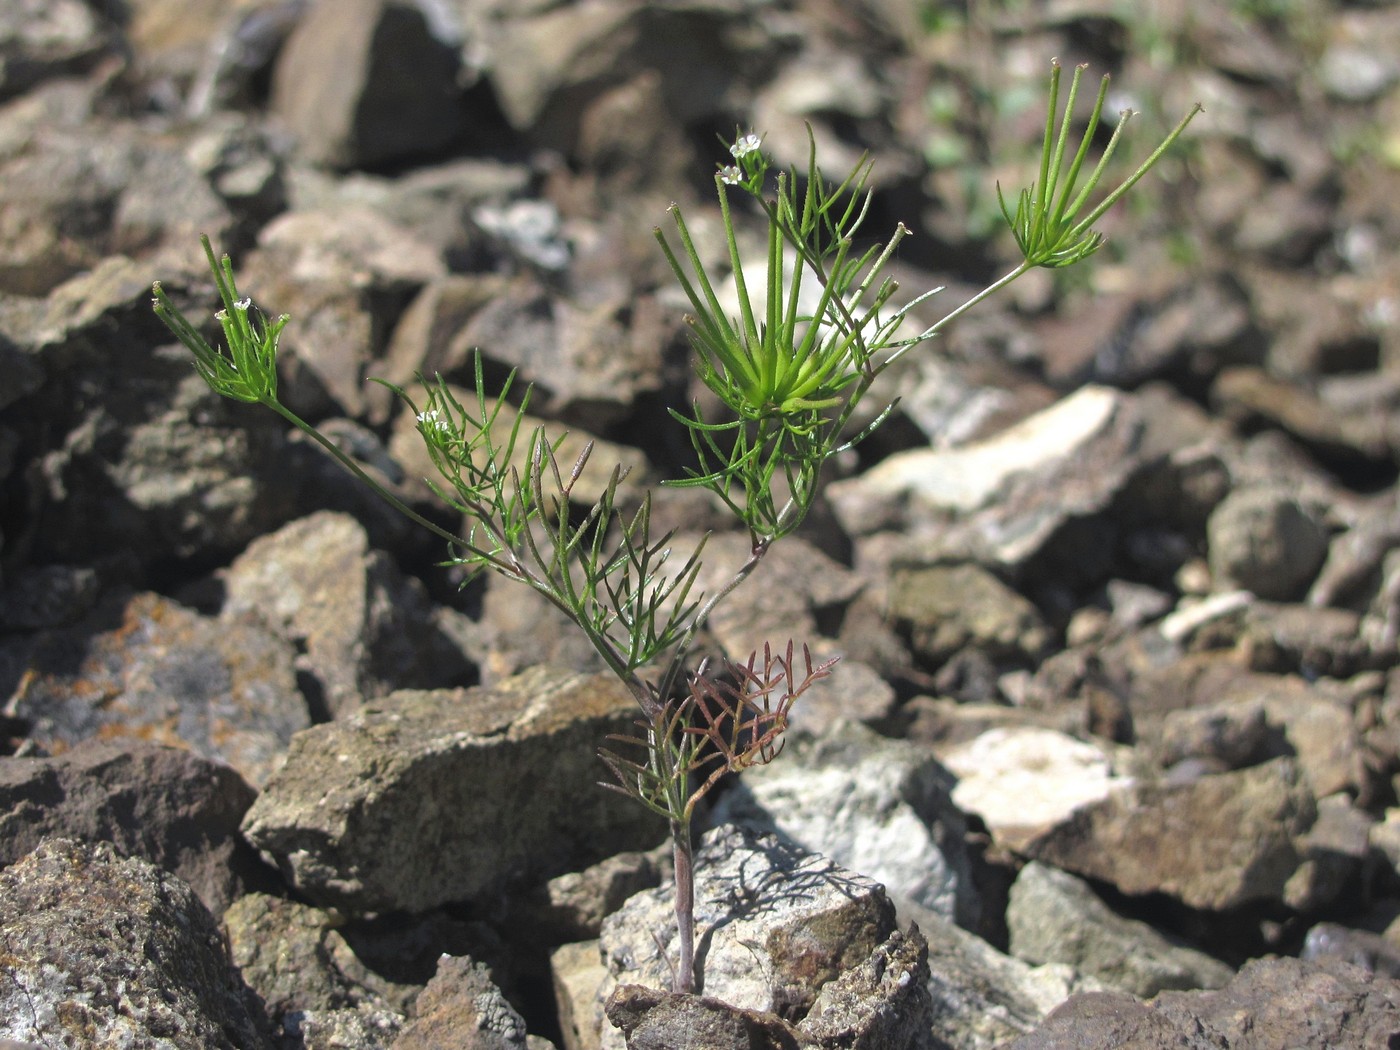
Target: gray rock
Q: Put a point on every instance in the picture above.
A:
(983, 999)
(105, 952)
(577, 972)
(1000, 501)
(590, 362)
(1371, 952)
(72, 205)
(1306, 640)
(52, 38)
(367, 83)
(293, 956)
(357, 1028)
(424, 798)
(655, 1020)
(148, 668)
(547, 66)
(1336, 857)
(882, 1004)
(360, 627)
(135, 447)
(572, 906)
(1054, 917)
(774, 924)
(1270, 1003)
(164, 805)
(462, 1008)
(947, 608)
(1216, 737)
(795, 586)
(875, 806)
(1266, 542)
(1251, 398)
(1234, 837)
(335, 269)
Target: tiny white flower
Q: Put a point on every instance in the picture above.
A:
(747, 144)
(430, 420)
(731, 176)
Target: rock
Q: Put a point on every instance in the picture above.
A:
(1000, 501)
(360, 627)
(589, 362)
(368, 84)
(548, 65)
(148, 668)
(1361, 948)
(1304, 640)
(48, 596)
(340, 271)
(1250, 397)
(657, 1020)
(983, 999)
(882, 1004)
(1216, 737)
(136, 448)
(293, 956)
(577, 972)
(360, 1028)
(572, 906)
(1336, 854)
(105, 951)
(1352, 571)
(164, 805)
(947, 608)
(1054, 917)
(1270, 1003)
(1266, 542)
(795, 586)
(68, 206)
(880, 807)
(1023, 781)
(49, 39)
(774, 924)
(461, 1007)
(1236, 837)
(427, 339)
(428, 797)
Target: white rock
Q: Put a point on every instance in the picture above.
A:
(1024, 780)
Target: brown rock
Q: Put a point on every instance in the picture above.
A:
(1215, 842)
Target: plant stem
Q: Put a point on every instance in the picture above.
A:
(683, 860)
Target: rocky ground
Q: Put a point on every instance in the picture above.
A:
(1112, 754)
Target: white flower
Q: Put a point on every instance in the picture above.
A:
(430, 420)
(747, 144)
(731, 176)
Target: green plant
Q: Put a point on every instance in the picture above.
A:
(789, 378)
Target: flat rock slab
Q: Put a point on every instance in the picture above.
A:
(430, 797)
